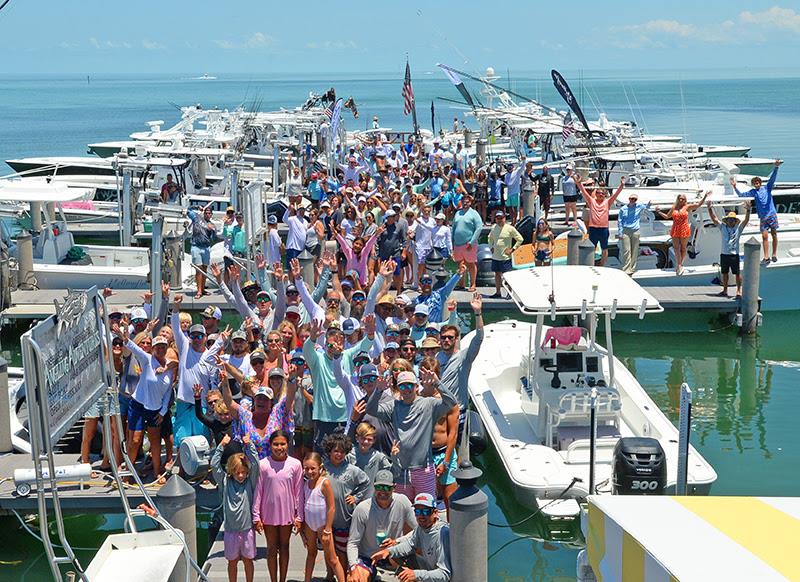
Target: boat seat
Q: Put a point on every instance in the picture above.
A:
(574, 407)
(569, 434)
(794, 252)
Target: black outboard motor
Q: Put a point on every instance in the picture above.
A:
(640, 467)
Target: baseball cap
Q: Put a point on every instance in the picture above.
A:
(197, 328)
(347, 283)
(389, 213)
(425, 500)
(272, 219)
(277, 373)
(263, 294)
(384, 477)
(294, 309)
(138, 313)
(297, 355)
(239, 334)
(258, 355)
(440, 216)
(392, 346)
(405, 377)
(160, 340)
(386, 299)
(499, 213)
(291, 288)
(334, 326)
(265, 391)
(397, 206)
(249, 286)
(422, 309)
(367, 370)
(350, 325)
(325, 204)
(212, 312)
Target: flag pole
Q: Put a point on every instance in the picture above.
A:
(413, 100)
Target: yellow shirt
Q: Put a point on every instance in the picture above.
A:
(504, 238)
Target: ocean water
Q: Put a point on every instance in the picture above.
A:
(60, 115)
(746, 392)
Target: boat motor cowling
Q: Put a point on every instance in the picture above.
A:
(639, 467)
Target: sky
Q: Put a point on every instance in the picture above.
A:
(263, 36)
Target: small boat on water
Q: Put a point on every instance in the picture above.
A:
(532, 385)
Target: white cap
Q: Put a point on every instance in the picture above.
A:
(389, 213)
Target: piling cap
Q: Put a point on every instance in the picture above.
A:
(176, 487)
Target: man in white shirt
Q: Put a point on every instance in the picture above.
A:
(295, 218)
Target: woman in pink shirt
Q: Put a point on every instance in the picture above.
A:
(598, 206)
(277, 502)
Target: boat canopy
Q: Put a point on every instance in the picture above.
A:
(190, 151)
(661, 539)
(24, 190)
(149, 162)
(577, 290)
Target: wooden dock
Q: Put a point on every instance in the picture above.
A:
(216, 567)
(698, 298)
(98, 495)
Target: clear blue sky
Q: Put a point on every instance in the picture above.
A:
(265, 36)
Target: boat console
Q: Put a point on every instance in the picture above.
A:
(566, 366)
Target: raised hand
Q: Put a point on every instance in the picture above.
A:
(147, 296)
(151, 325)
(225, 334)
(215, 270)
(297, 273)
(452, 305)
(261, 262)
(316, 329)
(462, 268)
(369, 324)
(197, 389)
(277, 269)
(428, 379)
(165, 289)
(329, 260)
(476, 302)
(107, 292)
(178, 299)
(387, 268)
(359, 408)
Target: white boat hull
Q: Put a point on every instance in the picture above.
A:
(539, 472)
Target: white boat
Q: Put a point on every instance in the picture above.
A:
(55, 264)
(533, 392)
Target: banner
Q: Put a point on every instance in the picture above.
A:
(456, 80)
(566, 93)
(335, 119)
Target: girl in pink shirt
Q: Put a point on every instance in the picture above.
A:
(277, 502)
(358, 254)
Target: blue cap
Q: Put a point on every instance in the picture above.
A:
(367, 370)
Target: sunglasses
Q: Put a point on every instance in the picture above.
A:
(406, 386)
(115, 316)
(332, 301)
(368, 379)
(431, 331)
(330, 345)
(423, 511)
(448, 337)
(138, 321)
(408, 309)
(426, 281)
(384, 487)
(263, 300)
(197, 336)
(256, 362)
(360, 361)
(409, 349)
(358, 297)
(392, 333)
(292, 293)
(297, 362)
(274, 340)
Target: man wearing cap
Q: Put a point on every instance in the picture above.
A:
(353, 169)
(391, 243)
(362, 384)
(413, 417)
(330, 400)
(628, 225)
(314, 189)
(765, 208)
(295, 218)
(429, 543)
(504, 239)
(730, 230)
(376, 524)
(211, 316)
(467, 226)
(236, 237)
(435, 300)
(204, 235)
(138, 320)
(545, 187)
(238, 361)
(195, 365)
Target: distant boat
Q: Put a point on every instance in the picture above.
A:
(204, 77)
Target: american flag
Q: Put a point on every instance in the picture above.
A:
(329, 110)
(568, 128)
(408, 92)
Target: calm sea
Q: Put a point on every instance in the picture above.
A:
(746, 393)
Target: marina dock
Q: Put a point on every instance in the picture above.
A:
(98, 495)
(216, 567)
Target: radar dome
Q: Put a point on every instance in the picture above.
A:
(489, 72)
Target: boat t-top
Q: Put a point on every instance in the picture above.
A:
(532, 385)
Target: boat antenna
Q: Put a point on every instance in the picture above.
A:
(4, 4)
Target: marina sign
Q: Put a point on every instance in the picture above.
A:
(65, 365)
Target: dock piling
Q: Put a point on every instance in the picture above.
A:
(750, 283)
(469, 507)
(573, 246)
(25, 261)
(176, 502)
(586, 253)
(6, 445)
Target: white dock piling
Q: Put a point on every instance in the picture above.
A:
(750, 283)
(176, 502)
(684, 428)
(573, 246)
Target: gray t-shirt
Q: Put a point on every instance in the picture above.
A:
(369, 518)
(413, 423)
(237, 498)
(370, 462)
(432, 549)
(347, 479)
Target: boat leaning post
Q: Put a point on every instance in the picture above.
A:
(176, 503)
(573, 246)
(469, 521)
(586, 253)
(750, 284)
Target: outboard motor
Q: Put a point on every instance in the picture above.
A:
(639, 467)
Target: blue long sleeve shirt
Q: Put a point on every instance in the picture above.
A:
(436, 299)
(629, 216)
(762, 196)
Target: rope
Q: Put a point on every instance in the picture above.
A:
(538, 510)
(39, 537)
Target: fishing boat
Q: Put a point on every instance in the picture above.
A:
(532, 386)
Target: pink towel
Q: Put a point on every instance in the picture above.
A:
(564, 336)
(79, 204)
